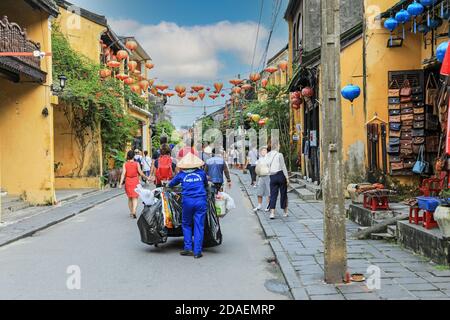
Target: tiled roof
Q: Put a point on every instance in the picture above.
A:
(47, 5)
(91, 16)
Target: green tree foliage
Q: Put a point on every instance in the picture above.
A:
(164, 128)
(96, 104)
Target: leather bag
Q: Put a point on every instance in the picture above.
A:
(395, 119)
(421, 165)
(406, 99)
(419, 125)
(395, 126)
(407, 111)
(394, 158)
(394, 89)
(419, 117)
(395, 166)
(394, 100)
(418, 133)
(394, 107)
(394, 134)
(406, 90)
(406, 117)
(406, 135)
(394, 141)
(419, 140)
(393, 150)
(419, 110)
(395, 112)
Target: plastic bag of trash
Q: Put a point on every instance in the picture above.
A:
(151, 225)
(147, 196)
(224, 203)
(175, 207)
(229, 201)
(213, 233)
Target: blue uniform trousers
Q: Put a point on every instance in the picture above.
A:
(194, 215)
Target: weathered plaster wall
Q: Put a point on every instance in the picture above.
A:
(26, 136)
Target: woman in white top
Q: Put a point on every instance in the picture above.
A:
(279, 179)
(263, 190)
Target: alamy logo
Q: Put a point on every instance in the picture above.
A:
(74, 280)
(374, 278)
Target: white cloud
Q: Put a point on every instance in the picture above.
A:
(193, 52)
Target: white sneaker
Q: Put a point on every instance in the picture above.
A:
(272, 216)
(257, 209)
(267, 209)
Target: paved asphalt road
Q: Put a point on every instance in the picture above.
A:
(104, 243)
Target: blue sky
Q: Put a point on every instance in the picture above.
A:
(195, 42)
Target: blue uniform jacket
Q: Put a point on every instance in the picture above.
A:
(194, 183)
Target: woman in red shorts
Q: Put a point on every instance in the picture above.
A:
(131, 172)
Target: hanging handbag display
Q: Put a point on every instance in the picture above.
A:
(419, 125)
(394, 107)
(419, 110)
(406, 144)
(406, 117)
(406, 90)
(395, 112)
(408, 124)
(394, 134)
(393, 149)
(406, 99)
(394, 100)
(394, 89)
(407, 111)
(419, 140)
(394, 142)
(395, 166)
(421, 165)
(395, 119)
(419, 117)
(407, 152)
(395, 126)
(406, 135)
(418, 133)
(406, 105)
(432, 90)
(394, 158)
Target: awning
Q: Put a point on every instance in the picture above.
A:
(13, 68)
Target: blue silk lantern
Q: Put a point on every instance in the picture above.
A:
(391, 24)
(441, 51)
(428, 4)
(351, 92)
(402, 17)
(415, 9)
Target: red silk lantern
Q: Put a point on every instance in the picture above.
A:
(296, 106)
(132, 65)
(105, 73)
(193, 98)
(264, 83)
(236, 90)
(271, 70)
(180, 89)
(149, 65)
(129, 81)
(182, 95)
(213, 96)
(144, 84)
(236, 82)
(162, 87)
(135, 88)
(169, 94)
(218, 86)
(113, 64)
(202, 95)
(283, 66)
(254, 77)
(122, 76)
(197, 88)
(131, 45)
(308, 92)
(121, 55)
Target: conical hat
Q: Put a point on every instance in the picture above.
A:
(190, 161)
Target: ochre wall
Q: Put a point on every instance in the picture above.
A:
(26, 136)
(84, 37)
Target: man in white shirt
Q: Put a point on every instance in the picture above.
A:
(252, 159)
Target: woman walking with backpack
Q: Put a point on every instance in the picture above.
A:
(130, 175)
(163, 167)
(279, 181)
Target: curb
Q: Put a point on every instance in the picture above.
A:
(20, 232)
(289, 273)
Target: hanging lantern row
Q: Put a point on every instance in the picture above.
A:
(296, 100)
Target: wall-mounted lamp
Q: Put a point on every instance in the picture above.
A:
(62, 84)
(45, 112)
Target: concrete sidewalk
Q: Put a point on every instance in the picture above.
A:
(24, 223)
(297, 242)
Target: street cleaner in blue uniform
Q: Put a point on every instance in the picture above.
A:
(194, 184)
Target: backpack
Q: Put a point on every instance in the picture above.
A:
(164, 171)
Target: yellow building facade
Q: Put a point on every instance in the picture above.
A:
(73, 168)
(26, 121)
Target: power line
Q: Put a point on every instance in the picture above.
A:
(257, 34)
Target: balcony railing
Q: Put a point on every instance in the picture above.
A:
(14, 39)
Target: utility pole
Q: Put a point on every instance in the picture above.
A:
(333, 175)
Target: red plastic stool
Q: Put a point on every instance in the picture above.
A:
(428, 220)
(376, 202)
(414, 215)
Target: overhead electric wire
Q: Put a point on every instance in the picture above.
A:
(257, 34)
(276, 12)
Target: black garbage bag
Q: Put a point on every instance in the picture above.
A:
(213, 233)
(151, 225)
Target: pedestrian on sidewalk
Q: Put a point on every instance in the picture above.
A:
(194, 185)
(163, 168)
(146, 164)
(250, 164)
(279, 180)
(263, 171)
(216, 168)
(130, 175)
